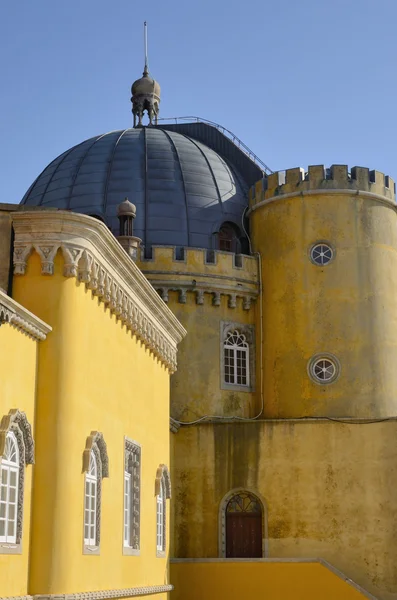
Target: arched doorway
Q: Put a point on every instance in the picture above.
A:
(243, 526)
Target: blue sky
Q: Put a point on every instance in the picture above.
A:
(300, 83)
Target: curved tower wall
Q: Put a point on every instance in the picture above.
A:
(345, 310)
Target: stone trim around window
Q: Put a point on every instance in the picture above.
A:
(96, 443)
(17, 422)
(249, 332)
(163, 478)
(163, 472)
(132, 464)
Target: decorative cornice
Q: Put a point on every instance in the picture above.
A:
(101, 595)
(93, 256)
(232, 293)
(19, 317)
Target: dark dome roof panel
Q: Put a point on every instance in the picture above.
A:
(183, 190)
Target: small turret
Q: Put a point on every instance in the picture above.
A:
(126, 212)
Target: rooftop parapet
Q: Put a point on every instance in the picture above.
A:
(210, 275)
(317, 177)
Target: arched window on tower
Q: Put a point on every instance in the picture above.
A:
(229, 238)
(236, 359)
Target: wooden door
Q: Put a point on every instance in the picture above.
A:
(244, 527)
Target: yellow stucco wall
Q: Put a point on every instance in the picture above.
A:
(258, 580)
(329, 489)
(346, 308)
(93, 375)
(18, 356)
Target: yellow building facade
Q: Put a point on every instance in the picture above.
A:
(82, 531)
(277, 429)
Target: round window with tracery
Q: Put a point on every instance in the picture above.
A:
(323, 369)
(321, 254)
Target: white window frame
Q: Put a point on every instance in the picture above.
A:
(91, 497)
(127, 509)
(237, 352)
(7, 469)
(161, 520)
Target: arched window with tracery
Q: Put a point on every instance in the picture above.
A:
(95, 467)
(236, 359)
(243, 527)
(16, 451)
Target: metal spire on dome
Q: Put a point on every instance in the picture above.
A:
(145, 92)
(146, 69)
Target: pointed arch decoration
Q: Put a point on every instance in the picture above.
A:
(17, 420)
(222, 519)
(96, 442)
(163, 473)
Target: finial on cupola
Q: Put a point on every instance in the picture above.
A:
(145, 93)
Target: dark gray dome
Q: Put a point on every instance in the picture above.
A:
(183, 191)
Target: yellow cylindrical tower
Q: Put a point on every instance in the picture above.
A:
(328, 246)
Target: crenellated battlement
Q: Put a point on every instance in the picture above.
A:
(210, 274)
(317, 177)
(183, 260)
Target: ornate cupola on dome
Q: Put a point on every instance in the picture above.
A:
(145, 94)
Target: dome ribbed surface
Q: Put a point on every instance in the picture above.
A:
(183, 191)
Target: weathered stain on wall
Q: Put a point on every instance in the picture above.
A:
(329, 489)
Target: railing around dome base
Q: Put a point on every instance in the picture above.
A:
(229, 134)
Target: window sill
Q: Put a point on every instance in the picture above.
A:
(128, 551)
(7, 548)
(160, 554)
(237, 388)
(93, 550)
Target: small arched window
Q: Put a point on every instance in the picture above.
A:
(229, 238)
(9, 485)
(91, 502)
(236, 359)
(95, 467)
(16, 451)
